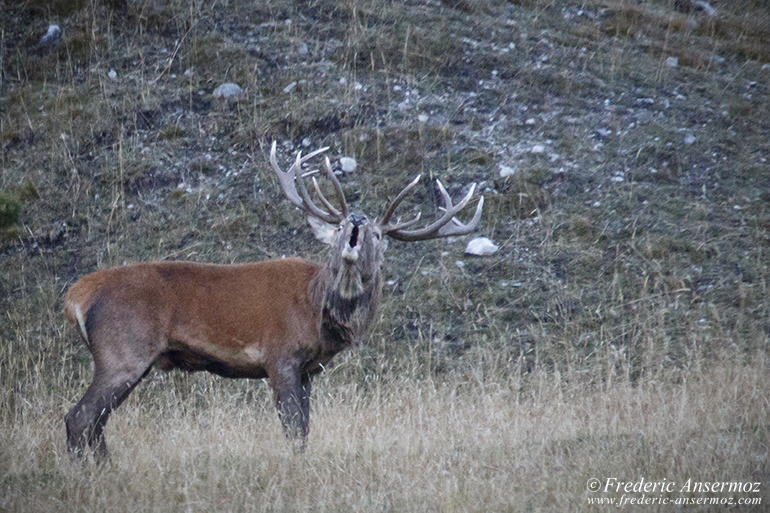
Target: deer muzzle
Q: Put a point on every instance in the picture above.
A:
(350, 250)
(350, 254)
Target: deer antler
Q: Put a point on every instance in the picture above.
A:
(447, 225)
(302, 199)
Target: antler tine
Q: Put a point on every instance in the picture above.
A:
(286, 178)
(447, 225)
(311, 208)
(455, 227)
(405, 224)
(401, 195)
(323, 199)
(337, 187)
(291, 187)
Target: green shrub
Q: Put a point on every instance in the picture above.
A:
(10, 208)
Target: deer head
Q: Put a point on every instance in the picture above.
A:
(357, 241)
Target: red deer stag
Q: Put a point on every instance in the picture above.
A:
(280, 319)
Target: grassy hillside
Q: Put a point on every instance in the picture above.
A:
(621, 331)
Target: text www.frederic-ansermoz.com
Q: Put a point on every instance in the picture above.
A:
(612, 491)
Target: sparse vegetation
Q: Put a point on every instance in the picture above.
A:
(621, 330)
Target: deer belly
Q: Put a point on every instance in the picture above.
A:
(247, 362)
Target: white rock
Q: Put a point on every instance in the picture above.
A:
(481, 246)
(50, 37)
(538, 148)
(228, 90)
(506, 171)
(689, 139)
(348, 164)
(422, 118)
(672, 62)
(706, 7)
(306, 142)
(112, 74)
(530, 121)
(289, 87)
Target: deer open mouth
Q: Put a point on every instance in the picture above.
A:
(354, 237)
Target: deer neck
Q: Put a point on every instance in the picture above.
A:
(348, 305)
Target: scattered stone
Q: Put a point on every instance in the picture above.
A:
(289, 87)
(228, 90)
(603, 133)
(538, 148)
(422, 118)
(689, 139)
(481, 246)
(530, 121)
(113, 75)
(506, 171)
(52, 36)
(705, 7)
(303, 49)
(672, 62)
(306, 142)
(348, 164)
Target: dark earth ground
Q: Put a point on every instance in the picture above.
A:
(636, 213)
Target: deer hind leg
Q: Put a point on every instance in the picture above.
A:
(124, 348)
(86, 420)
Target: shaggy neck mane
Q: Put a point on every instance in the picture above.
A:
(345, 317)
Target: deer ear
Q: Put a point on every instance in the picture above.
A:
(323, 231)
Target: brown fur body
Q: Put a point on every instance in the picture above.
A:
(276, 319)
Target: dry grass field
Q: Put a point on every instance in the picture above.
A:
(401, 445)
(620, 334)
